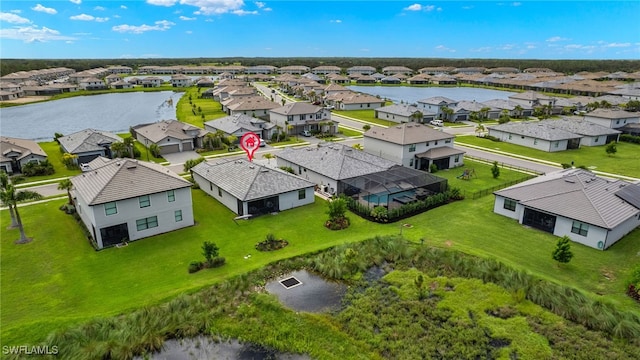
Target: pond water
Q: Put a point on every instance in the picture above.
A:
(314, 294)
(203, 347)
(413, 94)
(110, 112)
(166, 78)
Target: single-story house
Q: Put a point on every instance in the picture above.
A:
(121, 200)
(515, 109)
(171, 136)
(471, 107)
(250, 189)
(401, 113)
(15, 153)
(538, 135)
(414, 145)
(591, 210)
(88, 144)
(592, 133)
(240, 124)
(612, 118)
(372, 180)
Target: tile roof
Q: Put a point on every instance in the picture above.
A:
(87, 140)
(159, 130)
(336, 161)
(612, 114)
(575, 194)
(248, 181)
(538, 130)
(437, 100)
(581, 127)
(408, 133)
(399, 109)
(22, 146)
(297, 108)
(120, 179)
(440, 152)
(233, 123)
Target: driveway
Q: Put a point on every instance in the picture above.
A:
(180, 157)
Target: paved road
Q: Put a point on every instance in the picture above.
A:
(507, 160)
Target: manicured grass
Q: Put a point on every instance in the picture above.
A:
(483, 179)
(624, 162)
(348, 132)
(88, 284)
(144, 153)
(366, 115)
(54, 155)
(185, 110)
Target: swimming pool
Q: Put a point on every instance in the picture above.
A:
(383, 197)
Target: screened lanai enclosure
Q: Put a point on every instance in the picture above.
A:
(392, 188)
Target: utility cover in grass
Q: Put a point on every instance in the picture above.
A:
(313, 294)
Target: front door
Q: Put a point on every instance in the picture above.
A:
(115, 234)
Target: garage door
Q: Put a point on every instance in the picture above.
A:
(187, 146)
(168, 149)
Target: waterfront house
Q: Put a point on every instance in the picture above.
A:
(15, 153)
(88, 144)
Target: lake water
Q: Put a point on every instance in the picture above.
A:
(413, 94)
(166, 78)
(110, 112)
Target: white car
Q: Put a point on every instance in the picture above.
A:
(436, 123)
(306, 133)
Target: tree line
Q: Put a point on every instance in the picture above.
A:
(8, 66)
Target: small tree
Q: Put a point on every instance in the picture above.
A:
(66, 185)
(495, 170)
(210, 251)
(155, 150)
(337, 208)
(366, 127)
(191, 163)
(268, 156)
(69, 160)
(562, 253)
(611, 149)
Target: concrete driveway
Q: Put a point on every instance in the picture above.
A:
(180, 157)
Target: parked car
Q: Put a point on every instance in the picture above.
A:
(329, 107)
(262, 143)
(306, 133)
(436, 123)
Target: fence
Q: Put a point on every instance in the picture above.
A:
(485, 192)
(504, 165)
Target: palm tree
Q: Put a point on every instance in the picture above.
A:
(447, 112)
(118, 149)
(417, 117)
(4, 183)
(480, 129)
(128, 143)
(67, 185)
(11, 197)
(268, 156)
(518, 109)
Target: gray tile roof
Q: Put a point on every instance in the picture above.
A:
(336, 161)
(120, 179)
(575, 194)
(504, 104)
(408, 133)
(537, 130)
(159, 130)
(437, 100)
(440, 152)
(297, 108)
(233, 123)
(399, 109)
(248, 181)
(87, 140)
(23, 146)
(581, 127)
(612, 114)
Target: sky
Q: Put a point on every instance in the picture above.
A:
(92, 29)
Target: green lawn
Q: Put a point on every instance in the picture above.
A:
(88, 284)
(348, 132)
(208, 107)
(483, 179)
(624, 162)
(54, 155)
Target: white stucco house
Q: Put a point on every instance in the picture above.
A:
(612, 118)
(247, 188)
(303, 116)
(122, 200)
(240, 124)
(538, 135)
(402, 113)
(88, 144)
(436, 104)
(15, 153)
(181, 80)
(413, 145)
(591, 210)
(171, 136)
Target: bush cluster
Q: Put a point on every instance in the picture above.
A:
(37, 168)
(271, 243)
(381, 214)
(630, 138)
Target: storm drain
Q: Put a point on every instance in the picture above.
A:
(290, 282)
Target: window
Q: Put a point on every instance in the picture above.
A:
(302, 194)
(509, 136)
(219, 191)
(302, 117)
(211, 186)
(178, 215)
(596, 140)
(509, 204)
(456, 158)
(580, 228)
(412, 147)
(145, 201)
(110, 208)
(147, 223)
(447, 141)
(535, 141)
(435, 142)
(411, 162)
(556, 144)
(171, 196)
(427, 143)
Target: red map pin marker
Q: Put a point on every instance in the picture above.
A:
(250, 142)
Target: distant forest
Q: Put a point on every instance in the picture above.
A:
(569, 67)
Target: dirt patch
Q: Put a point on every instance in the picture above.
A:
(448, 243)
(607, 274)
(26, 100)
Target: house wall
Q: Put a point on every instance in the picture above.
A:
(359, 106)
(392, 117)
(540, 144)
(401, 154)
(31, 158)
(612, 123)
(290, 199)
(621, 230)
(595, 234)
(498, 208)
(593, 140)
(226, 199)
(129, 211)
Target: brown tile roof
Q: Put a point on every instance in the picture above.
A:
(408, 133)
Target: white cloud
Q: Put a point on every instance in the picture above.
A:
(166, 3)
(161, 25)
(241, 12)
(418, 7)
(123, 7)
(556, 38)
(516, 3)
(482, 49)
(31, 34)
(188, 32)
(85, 17)
(468, 7)
(184, 18)
(99, 8)
(444, 48)
(77, 2)
(337, 21)
(208, 7)
(13, 18)
(267, 9)
(43, 9)
(16, 11)
(260, 4)
(617, 45)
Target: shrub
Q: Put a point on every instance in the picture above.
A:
(287, 169)
(433, 168)
(37, 168)
(566, 166)
(271, 243)
(495, 170)
(492, 138)
(195, 266)
(210, 250)
(189, 164)
(630, 138)
(216, 262)
(380, 214)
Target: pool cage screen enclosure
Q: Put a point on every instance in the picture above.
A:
(393, 187)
